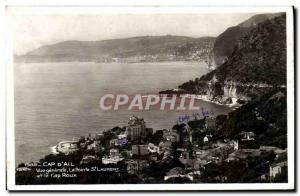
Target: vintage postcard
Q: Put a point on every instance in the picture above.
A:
(150, 98)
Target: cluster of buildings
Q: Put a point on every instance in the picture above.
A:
(151, 58)
(184, 52)
(133, 147)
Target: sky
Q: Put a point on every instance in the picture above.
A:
(33, 31)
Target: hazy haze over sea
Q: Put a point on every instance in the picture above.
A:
(58, 101)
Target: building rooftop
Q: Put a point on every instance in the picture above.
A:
(281, 164)
(175, 171)
(133, 120)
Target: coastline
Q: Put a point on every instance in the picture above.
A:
(205, 98)
(111, 62)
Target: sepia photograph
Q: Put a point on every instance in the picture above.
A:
(150, 98)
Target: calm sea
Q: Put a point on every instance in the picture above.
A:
(58, 101)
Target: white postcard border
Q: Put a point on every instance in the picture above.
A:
(10, 137)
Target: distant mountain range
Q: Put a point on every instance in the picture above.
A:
(226, 41)
(214, 51)
(135, 49)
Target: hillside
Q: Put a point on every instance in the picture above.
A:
(136, 49)
(266, 116)
(257, 65)
(226, 42)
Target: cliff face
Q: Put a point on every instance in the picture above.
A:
(135, 49)
(226, 42)
(257, 64)
(224, 45)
